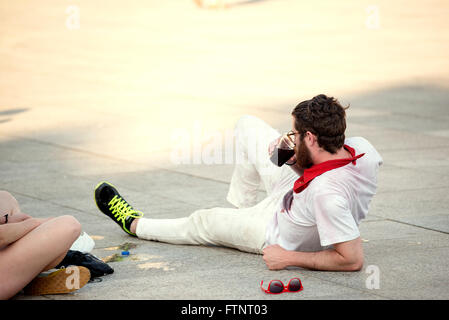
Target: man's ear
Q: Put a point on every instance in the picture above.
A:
(310, 139)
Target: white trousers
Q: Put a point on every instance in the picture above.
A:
(244, 227)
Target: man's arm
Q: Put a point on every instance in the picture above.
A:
(346, 256)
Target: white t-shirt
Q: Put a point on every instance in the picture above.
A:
(330, 209)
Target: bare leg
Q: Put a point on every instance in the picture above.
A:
(133, 227)
(55, 262)
(39, 250)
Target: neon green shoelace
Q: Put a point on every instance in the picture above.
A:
(122, 210)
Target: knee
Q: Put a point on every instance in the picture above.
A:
(6, 196)
(70, 226)
(246, 128)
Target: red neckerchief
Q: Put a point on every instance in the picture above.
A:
(318, 169)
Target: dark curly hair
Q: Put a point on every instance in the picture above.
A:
(324, 117)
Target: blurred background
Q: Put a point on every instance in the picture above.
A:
(137, 79)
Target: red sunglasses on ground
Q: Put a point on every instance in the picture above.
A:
(276, 286)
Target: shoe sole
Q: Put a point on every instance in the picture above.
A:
(65, 280)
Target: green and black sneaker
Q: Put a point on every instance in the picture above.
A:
(111, 203)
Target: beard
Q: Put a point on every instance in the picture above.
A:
(303, 156)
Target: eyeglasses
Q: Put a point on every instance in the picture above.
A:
(290, 134)
(276, 286)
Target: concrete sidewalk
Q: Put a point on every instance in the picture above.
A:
(113, 99)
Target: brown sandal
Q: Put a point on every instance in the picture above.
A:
(64, 280)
